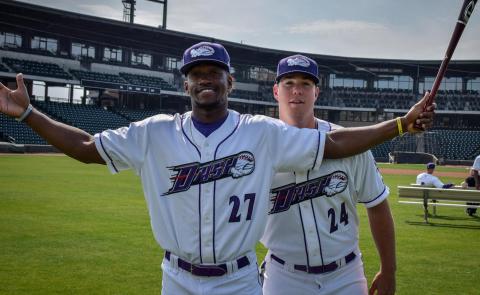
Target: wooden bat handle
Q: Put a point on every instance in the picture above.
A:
(465, 12)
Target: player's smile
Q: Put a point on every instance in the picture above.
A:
(207, 95)
(206, 91)
(208, 85)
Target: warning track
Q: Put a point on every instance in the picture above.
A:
(393, 171)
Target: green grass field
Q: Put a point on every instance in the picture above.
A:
(70, 228)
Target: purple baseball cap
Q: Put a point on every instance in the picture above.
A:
(205, 52)
(297, 64)
(431, 165)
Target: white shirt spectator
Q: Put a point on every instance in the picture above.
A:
(429, 180)
(476, 164)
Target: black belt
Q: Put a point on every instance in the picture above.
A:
(202, 270)
(316, 269)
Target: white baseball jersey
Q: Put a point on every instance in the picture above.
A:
(476, 164)
(429, 180)
(312, 218)
(208, 196)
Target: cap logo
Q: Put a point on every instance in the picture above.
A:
(202, 51)
(298, 61)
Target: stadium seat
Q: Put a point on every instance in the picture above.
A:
(95, 76)
(18, 133)
(92, 119)
(3, 68)
(36, 68)
(138, 115)
(148, 81)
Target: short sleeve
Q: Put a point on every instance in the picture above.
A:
(123, 148)
(369, 185)
(295, 149)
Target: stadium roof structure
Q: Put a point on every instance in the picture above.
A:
(26, 18)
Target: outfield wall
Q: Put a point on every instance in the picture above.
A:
(11, 148)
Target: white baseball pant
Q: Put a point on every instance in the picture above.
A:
(284, 280)
(244, 281)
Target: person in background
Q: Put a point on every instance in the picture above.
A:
(428, 179)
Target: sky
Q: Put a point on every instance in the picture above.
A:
(399, 29)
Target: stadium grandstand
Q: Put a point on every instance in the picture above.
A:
(111, 73)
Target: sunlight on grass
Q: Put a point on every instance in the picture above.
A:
(70, 228)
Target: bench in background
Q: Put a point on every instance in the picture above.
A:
(453, 197)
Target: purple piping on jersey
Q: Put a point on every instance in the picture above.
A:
(199, 194)
(329, 126)
(304, 236)
(318, 147)
(316, 224)
(185, 134)
(384, 188)
(215, 189)
(303, 230)
(103, 148)
(316, 228)
(200, 221)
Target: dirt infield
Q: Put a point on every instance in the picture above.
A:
(393, 171)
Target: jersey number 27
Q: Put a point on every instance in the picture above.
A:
(235, 216)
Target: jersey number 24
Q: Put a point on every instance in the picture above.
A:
(333, 221)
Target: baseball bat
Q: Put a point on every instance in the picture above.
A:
(465, 12)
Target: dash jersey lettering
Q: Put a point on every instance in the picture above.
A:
(328, 185)
(195, 173)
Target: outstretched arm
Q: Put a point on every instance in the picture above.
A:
(72, 141)
(345, 142)
(383, 232)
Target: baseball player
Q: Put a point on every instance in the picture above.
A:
(428, 179)
(206, 174)
(312, 228)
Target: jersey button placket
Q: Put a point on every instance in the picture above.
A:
(311, 236)
(208, 208)
(207, 212)
(207, 221)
